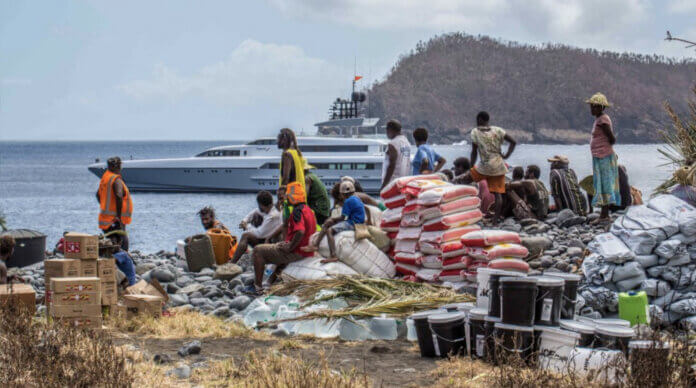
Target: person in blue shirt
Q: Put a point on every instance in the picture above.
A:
(426, 160)
(352, 213)
(124, 261)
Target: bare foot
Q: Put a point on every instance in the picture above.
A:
(309, 248)
(329, 260)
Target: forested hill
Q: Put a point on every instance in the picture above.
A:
(537, 93)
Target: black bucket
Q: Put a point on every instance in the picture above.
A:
(489, 330)
(425, 337)
(613, 337)
(548, 301)
(517, 300)
(514, 339)
(448, 335)
(586, 331)
(494, 290)
(477, 332)
(570, 292)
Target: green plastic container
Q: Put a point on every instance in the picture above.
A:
(633, 307)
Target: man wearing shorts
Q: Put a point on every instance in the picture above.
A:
(300, 226)
(353, 213)
(487, 141)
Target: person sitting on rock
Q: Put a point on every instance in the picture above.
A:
(461, 169)
(539, 202)
(208, 219)
(300, 226)
(7, 245)
(258, 225)
(517, 173)
(123, 259)
(565, 188)
(353, 213)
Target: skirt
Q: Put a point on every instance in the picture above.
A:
(606, 181)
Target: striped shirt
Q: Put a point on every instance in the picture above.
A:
(565, 188)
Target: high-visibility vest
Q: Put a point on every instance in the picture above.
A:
(107, 201)
(299, 168)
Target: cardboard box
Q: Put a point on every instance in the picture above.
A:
(76, 284)
(143, 304)
(106, 268)
(82, 322)
(81, 246)
(109, 293)
(76, 311)
(88, 268)
(60, 268)
(118, 310)
(19, 294)
(144, 288)
(76, 298)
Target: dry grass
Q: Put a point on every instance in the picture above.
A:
(185, 324)
(275, 370)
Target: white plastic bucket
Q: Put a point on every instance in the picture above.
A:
(585, 360)
(483, 276)
(181, 249)
(555, 347)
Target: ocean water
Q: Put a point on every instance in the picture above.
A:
(46, 186)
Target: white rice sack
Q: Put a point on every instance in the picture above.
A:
(670, 248)
(627, 271)
(691, 249)
(678, 260)
(642, 228)
(684, 238)
(676, 210)
(684, 307)
(655, 287)
(630, 283)
(647, 261)
(392, 215)
(311, 268)
(611, 248)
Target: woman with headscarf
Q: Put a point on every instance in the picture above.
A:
(605, 164)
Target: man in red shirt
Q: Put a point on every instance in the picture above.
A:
(300, 226)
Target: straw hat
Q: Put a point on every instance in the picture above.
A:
(306, 165)
(560, 158)
(598, 99)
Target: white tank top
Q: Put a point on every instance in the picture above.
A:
(403, 158)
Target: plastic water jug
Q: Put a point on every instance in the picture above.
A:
(383, 328)
(354, 330)
(411, 334)
(633, 307)
(261, 313)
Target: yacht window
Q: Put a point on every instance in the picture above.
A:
(333, 148)
(263, 142)
(272, 166)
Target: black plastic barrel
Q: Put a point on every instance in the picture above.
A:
(447, 333)
(570, 292)
(548, 301)
(425, 337)
(477, 334)
(494, 290)
(586, 331)
(514, 339)
(613, 337)
(518, 300)
(30, 247)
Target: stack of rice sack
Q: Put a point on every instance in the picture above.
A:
(497, 249)
(651, 248)
(434, 216)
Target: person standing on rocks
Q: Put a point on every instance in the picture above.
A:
(565, 188)
(605, 165)
(426, 160)
(317, 195)
(397, 159)
(487, 141)
(258, 225)
(300, 226)
(115, 203)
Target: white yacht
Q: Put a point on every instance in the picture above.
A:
(251, 167)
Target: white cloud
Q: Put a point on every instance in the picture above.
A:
(254, 73)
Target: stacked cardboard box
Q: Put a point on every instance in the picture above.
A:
(106, 272)
(58, 268)
(23, 295)
(76, 301)
(84, 247)
(143, 304)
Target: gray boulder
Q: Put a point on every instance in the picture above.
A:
(190, 289)
(182, 372)
(563, 216)
(241, 302)
(178, 299)
(574, 252)
(222, 312)
(227, 271)
(536, 245)
(141, 268)
(193, 347)
(163, 275)
(183, 281)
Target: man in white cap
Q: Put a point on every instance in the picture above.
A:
(353, 213)
(565, 188)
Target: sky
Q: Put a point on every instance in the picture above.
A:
(207, 70)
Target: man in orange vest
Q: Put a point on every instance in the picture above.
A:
(115, 203)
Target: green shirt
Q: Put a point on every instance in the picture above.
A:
(318, 196)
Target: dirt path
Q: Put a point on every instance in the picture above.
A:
(388, 363)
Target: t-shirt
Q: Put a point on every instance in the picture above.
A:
(125, 265)
(301, 220)
(402, 166)
(354, 210)
(318, 197)
(599, 143)
(424, 151)
(489, 144)
(565, 187)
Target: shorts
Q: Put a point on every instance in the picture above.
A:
(272, 254)
(342, 226)
(496, 184)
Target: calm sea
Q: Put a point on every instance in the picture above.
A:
(46, 186)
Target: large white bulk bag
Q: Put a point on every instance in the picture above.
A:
(676, 210)
(642, 228)
(311, 268)
(362, 256)
(610, 248)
